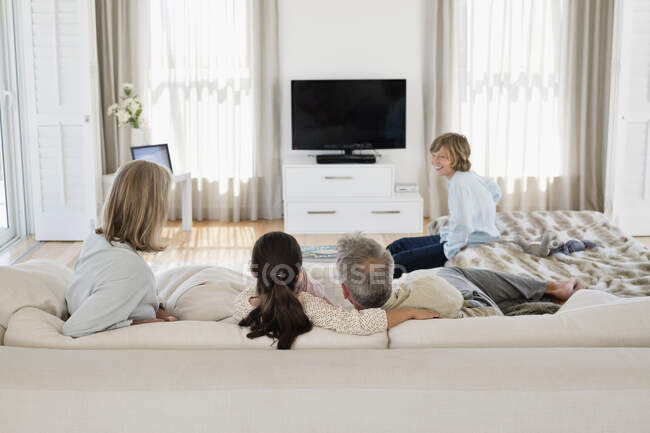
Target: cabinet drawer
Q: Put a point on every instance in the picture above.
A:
(339, 181)
(345, 217)
(387, 217)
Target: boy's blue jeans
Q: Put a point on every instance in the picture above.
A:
(422, 252)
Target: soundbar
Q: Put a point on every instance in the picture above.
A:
(345, 159)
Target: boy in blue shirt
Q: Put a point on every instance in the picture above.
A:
(472, 210)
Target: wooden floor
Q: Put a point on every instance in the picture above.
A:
(209, 242)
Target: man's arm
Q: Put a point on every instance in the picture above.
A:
(395, 317)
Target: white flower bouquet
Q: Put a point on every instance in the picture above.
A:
(128, 109)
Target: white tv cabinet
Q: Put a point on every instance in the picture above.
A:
(343, 198)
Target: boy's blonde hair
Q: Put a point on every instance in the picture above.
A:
(458, 148)
(137, 206)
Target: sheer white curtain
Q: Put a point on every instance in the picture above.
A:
(523, 80)
(510, 99)
(212, 71)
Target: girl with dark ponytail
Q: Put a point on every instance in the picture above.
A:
(277, 264)
(285, 303)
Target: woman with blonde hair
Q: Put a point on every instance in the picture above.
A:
(112, 285)
(472, 210)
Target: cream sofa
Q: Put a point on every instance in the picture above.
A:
(584, 368)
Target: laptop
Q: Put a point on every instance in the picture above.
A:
(158, 153)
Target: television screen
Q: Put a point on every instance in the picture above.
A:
(348, 114)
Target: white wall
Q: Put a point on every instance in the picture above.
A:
(356, 39)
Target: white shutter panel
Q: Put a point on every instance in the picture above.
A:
(630, 153)
(57, 57)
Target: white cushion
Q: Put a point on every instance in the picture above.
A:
(428, 290)
(590, 298)
(36, 283)
(31, 327)
(170, 279)
(201, 292)
(621, 324)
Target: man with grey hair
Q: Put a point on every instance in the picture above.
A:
(365, 270)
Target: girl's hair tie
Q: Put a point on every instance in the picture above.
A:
(282, 275)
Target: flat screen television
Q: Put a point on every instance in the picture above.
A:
(348, 114)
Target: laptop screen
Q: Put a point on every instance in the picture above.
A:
(158, 153)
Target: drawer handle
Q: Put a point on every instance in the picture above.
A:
(386, 211)
(339, 177)
(321, 212)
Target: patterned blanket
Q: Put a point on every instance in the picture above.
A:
(620, 265)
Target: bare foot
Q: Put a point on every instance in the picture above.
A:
(563, 289)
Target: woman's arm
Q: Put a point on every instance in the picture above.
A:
(109, 307)
(140, 322)
(163, 315)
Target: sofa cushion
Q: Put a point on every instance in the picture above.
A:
(201, 292)
(621, 324)
(36, 283)
(591, 298)
(31, 327)
(544, 391)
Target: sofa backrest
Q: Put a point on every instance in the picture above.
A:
(32, 303)
(623, 322)
(31, 327)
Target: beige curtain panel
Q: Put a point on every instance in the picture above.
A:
(117, 53)
(585, 90)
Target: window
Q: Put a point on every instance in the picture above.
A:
(201, 87)
(510, 86)
(12, 220)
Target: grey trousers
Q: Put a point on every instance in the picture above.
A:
(504, 290)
